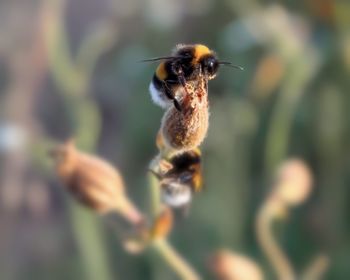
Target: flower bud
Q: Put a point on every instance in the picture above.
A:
(230, 266)
(186, 130)
(93, 182)
(294, 182)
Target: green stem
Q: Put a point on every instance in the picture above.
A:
(301, 71)
(89, 238)
(316, 269)
(174, 260)
(73, 84)
(272, 250)
(155, 204)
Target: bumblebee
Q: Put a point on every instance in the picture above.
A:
(185, 64)
(182, 179)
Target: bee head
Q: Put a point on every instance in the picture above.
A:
(210, 65)
(208, 61)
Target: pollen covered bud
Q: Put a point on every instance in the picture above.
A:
(293, 182)
(93, 182)
(186, 129)
(227, 265)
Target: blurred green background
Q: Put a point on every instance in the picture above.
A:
(69, 68)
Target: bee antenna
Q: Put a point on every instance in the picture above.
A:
(229, 64)
(160, 58)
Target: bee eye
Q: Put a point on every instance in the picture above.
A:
(211, 66)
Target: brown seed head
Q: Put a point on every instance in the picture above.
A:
(227, 265)
(93, 181)
(294, 182)
(186, 130)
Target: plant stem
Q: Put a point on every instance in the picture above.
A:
(316, 269)
(274, 253)
(174, 260)
(155, 204)
(73, 84)
(164, 249)
(89, 238)
(301, 71)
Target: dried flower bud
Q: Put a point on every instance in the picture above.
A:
(162, 225)
(230, 266)
(294, 182)
(93, 182)
(185, 130)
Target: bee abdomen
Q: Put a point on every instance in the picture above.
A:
(156, 89)
(176, 195)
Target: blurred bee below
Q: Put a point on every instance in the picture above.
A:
(182, 178)
(185, 64)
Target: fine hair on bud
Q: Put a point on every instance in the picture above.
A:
(186, 129)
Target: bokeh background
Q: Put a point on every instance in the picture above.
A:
(70, 68)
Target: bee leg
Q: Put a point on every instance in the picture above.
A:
(183, 82)
(180, 77)
(177, 105)
(171, 96)
(159, 167)
(155, 174)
